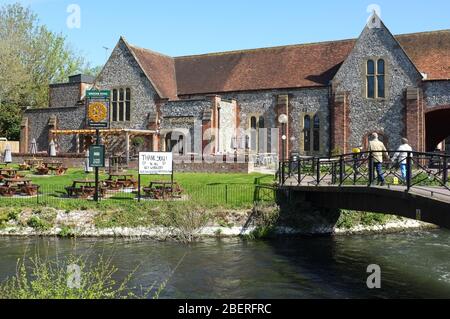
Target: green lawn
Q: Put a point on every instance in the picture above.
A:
(183, 179)
(205, 189)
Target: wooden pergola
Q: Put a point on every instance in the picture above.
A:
(104, 133)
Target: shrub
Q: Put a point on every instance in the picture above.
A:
(45, 279)
(187, 221)
(66, 231)
(39, 224)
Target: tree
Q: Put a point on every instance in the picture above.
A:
(31, 58)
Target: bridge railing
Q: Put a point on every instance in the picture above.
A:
(411, 169)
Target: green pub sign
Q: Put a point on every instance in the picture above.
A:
(97, 156)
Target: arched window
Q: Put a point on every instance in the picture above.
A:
(370, 79)
(316, 133)
(375, 73)
(307, 133)
(380, 78)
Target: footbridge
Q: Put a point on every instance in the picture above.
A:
(351, 181)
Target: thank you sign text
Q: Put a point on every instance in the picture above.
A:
(155, 163)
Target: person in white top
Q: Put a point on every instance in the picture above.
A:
(401, 155)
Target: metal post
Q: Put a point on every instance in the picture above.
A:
(299, 172)
(97, 132)
(355, 168)
(279, 174)
(283, 142)
(171, 181)
(139, 187)
(282, 173)
(371, 169)
(445, 171)
(341, 170)
(226, 193)
(318, 171)
(408, 171)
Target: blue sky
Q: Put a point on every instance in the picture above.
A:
(176, 27)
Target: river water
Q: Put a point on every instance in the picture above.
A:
(413, 265)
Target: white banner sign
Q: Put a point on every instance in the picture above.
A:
(155, 163)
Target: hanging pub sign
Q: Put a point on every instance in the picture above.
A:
(98, 108)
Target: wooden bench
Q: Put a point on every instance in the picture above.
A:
(8, 191)
(61, 171)
(84, 192)
(30, 190)
(128, 183)
(42, 170)
(24, 167)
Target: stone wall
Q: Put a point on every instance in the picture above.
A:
(122, 71)
(68, 160)
(64, 95)
(212, 167)
(381, 115)
(67, 118)
(436, 93)
(302, 101)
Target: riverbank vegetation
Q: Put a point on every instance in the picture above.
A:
(351, 219)
(68, 278)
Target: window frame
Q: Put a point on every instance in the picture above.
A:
(121, 105)
(376, 76)
(307, 133)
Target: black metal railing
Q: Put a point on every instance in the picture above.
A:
(419, 169)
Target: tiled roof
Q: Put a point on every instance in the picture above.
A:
(160, 69)
(306, 65)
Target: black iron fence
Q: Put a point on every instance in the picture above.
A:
(411, 169)
(235, 195)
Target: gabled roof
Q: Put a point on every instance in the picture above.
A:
(295, 66)
(160, 70)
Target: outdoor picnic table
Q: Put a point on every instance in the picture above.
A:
(56, 167)
(159, 189)
(8, 173)
(13, 186)
(117, 180)
(83, 188)
(33, 162)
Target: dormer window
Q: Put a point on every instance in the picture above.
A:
(375, 77)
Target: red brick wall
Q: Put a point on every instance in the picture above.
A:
(415, 119)
(340, 122)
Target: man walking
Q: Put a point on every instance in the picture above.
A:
(401, 155)
(379, 151)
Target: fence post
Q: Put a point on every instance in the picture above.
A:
(226, 193)
(355, 168)
(445, 171)
(408, 171)
(318, 171)
(371, 169)
(299, 173)
(279, 173)
(341, 170)
(282, 173)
